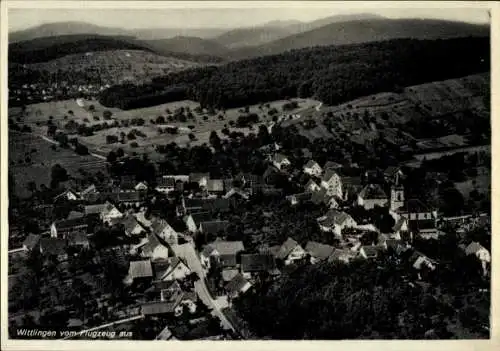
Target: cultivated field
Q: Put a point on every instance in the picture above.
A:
(116, 65)
(31, 159)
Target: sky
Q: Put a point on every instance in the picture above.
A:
(22, 18)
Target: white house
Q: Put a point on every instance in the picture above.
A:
(312, 186)
(280, 161)
(372, 195)
(141, 186)
(291, 252)
(176, 270)
(67, 195)
(154, 249)
(313, 168)
(161, 228)
(335, 221)
(110, 213)
(194, 220)
(481, 253)
(332, 182)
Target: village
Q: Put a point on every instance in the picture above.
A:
(129, 265)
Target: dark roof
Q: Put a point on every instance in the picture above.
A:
(151, 245)
(257, 262)
(94, 209)
(77, 238)
(224, 247)
(311, 163)
(302, 197)
(352, 182)
(75, 214)
(414, 206)
(286, 248)
(208, 204)
(423, 224)
(319, 197)
(319, 250)
(70, 223)
(130, 196)
(201, 217)
(165, 182)
(53, 246)
(140, 269)
(159, 225)
(331, 165)
(391, 171)
(279, 157)
(329, 174)
(31, 241)
(370, 251)
(130, 222)
(373, 191)
(214, 227)
(473, 248)
(196, 177)
(339, 255)
(160, 307)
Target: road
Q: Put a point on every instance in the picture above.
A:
(56, 143)
(188, 253)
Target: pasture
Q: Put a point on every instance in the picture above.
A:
(31, 159)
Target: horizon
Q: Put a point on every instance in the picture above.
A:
(221, 18)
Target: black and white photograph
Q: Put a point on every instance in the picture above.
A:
(260, 172)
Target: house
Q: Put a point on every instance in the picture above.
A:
(331, 166)
(132, 226)
(419, 261)
(222, 252)
(31, 242)
(194, 220)
(172, 269)
(280, 161)
(479, 251)
(306, 153)
(237, 286)
(395, 245)
(133, 198)
(332, 182)
(141, 186)
(204, 204)
(256, 263)
(335, 221)
(200, 178)
(143, 221)
(165, 184)
(139, 270)
(94, 210)
(235, 193)
(229, 274)
(173, 302)
(393, 175)
(127, 182)
(67, 195)
(64, 226)
(162, 290)
(91, 189)
(109, 213)
(313, 168)
(75, 214)
(368, 252)
(344, 256)
(318, 251)
(214, 227)
(372, 195)
(161, 228)
(351, 187)
(290, 252)
(249, 180)
(312, 186)
(54, 247)
(154, 249)
(299, 198)
(415, 209)
(78, 239)
(215, 186)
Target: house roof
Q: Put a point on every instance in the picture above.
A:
(311, 182)
(140, 269)
(373, 191)
(339, 255)
(257, 262)
(214, 227)
(196, 177)
(229, 274)
(311, 164)
(329, 174)
(286, 248)
(200, 217)
(334, 217)
(130, 196)
(318, 250)
(165, 182)
(320, 196)
(473, 248)
(158, 286)
(301, 197)
(160, 307)
(421, 224)
(399, 224)
(77, 238)
(215, 185)
(391, 171)
(53, 246)
(94, 209)
(31, 241)
(279, 158)
(89, 189)
(236, 284)
(225, 247)
(159, 225)
(208, 204)
(370, 251)
(64, 193)
(414, 206)
(151, 245)
(130, 222)
(70, 223)
(75, 214)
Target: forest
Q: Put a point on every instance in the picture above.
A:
(331, 74)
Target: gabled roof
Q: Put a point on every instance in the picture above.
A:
(215, 185)
(229, 274)
(208, 204)
(31, 241)
(214, 227)
(70, 223)
(391, 171)
(279, 158)
(334, 217)
(341, 255)
(200, 217)
(370, 251)
(130, 223)
(286, 248)
(140, 269)
(88, 190)
(77, 238)
(130, 196)
(329, 174)
(373, 191)
(257, 262)
(399, 224)
(158, 286)
(151, 245)
(331, 165)
(159, 225)
(165, 182)
(319, 197)
(75, 214)
(64, 193)
(94, 209)
(473, 248)
(311, 182)
(318, 250)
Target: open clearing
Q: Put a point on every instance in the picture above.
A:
(41, 157)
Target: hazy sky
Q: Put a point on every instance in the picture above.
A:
(222, 17)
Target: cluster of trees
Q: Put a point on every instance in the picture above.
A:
(332, 74)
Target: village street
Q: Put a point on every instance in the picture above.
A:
(188, 253)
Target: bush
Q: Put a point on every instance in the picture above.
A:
(111, 139)
(134, 144)
(290, 105)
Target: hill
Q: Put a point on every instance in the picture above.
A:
(365, 30)
(193, 46)
(331, 74)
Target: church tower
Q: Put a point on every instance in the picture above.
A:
(397, 197)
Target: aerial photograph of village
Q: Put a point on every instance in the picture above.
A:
(271, 174)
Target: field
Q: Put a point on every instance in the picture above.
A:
(482, 183)
(36, 116)
(31, 159)
(117, 65)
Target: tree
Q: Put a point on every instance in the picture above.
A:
(31, 187)
(215, 140)
(106, 114)
(91, 108)
(58, 175)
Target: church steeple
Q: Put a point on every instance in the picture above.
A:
(397, 197)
